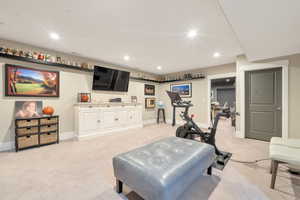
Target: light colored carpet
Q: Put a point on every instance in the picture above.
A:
(83, 170)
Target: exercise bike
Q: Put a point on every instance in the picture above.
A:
(190, 130)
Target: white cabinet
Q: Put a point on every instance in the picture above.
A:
(109, 117)
(88, 121)
(96, 120)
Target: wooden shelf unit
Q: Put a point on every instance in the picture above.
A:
(36, 132)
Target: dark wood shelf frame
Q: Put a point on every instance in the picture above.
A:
(39, 133)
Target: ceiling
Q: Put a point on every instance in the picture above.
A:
(265, 28)
(154, 33)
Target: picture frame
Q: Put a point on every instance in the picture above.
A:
(184, 89)
(150, 103)
(29, 82)
(149, 90)
(28, 109)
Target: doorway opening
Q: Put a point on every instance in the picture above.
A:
(223, 97)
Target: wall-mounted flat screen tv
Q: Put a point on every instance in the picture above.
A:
(110, 79)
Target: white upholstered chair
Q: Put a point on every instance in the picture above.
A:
(283, 151)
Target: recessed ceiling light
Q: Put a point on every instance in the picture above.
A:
(159, 67)
(127, 58)
(192, 33)
(217, 55)
(54, 36)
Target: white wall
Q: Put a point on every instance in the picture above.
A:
(71, 83)
(199, 94)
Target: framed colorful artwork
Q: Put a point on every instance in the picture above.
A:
(29, 82)
(184, 90)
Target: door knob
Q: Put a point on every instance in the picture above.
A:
(278, 108)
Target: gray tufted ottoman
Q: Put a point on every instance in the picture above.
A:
(164, 169)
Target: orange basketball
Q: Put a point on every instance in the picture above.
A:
(48, 110)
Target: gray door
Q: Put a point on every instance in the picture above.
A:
(263, 104)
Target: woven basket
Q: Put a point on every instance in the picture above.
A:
(29, 130)
(27, 122)
(28, 141)
(49, 120)
(48, 138)
(48, 128)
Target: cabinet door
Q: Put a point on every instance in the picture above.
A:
(109, 118)
(131, 116)
(89, 121)
(134, 116)
(123, 117)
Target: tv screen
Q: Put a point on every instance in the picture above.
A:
(110, 79)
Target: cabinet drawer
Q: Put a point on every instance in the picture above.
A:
(28, 141)
(27, 122)
(49, 120)
(48, 138)
(28, 130)
(48, 128)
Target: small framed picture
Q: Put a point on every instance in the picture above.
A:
(28, 109)
(184, 90)
(150, 103)
(149, 90)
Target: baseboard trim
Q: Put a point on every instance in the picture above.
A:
(107, 132)
(238, 134)
(7, 146)
(149, 121)
(67, 136)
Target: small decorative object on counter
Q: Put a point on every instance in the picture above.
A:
(84, 97)
(134, 99)
(48, 110)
